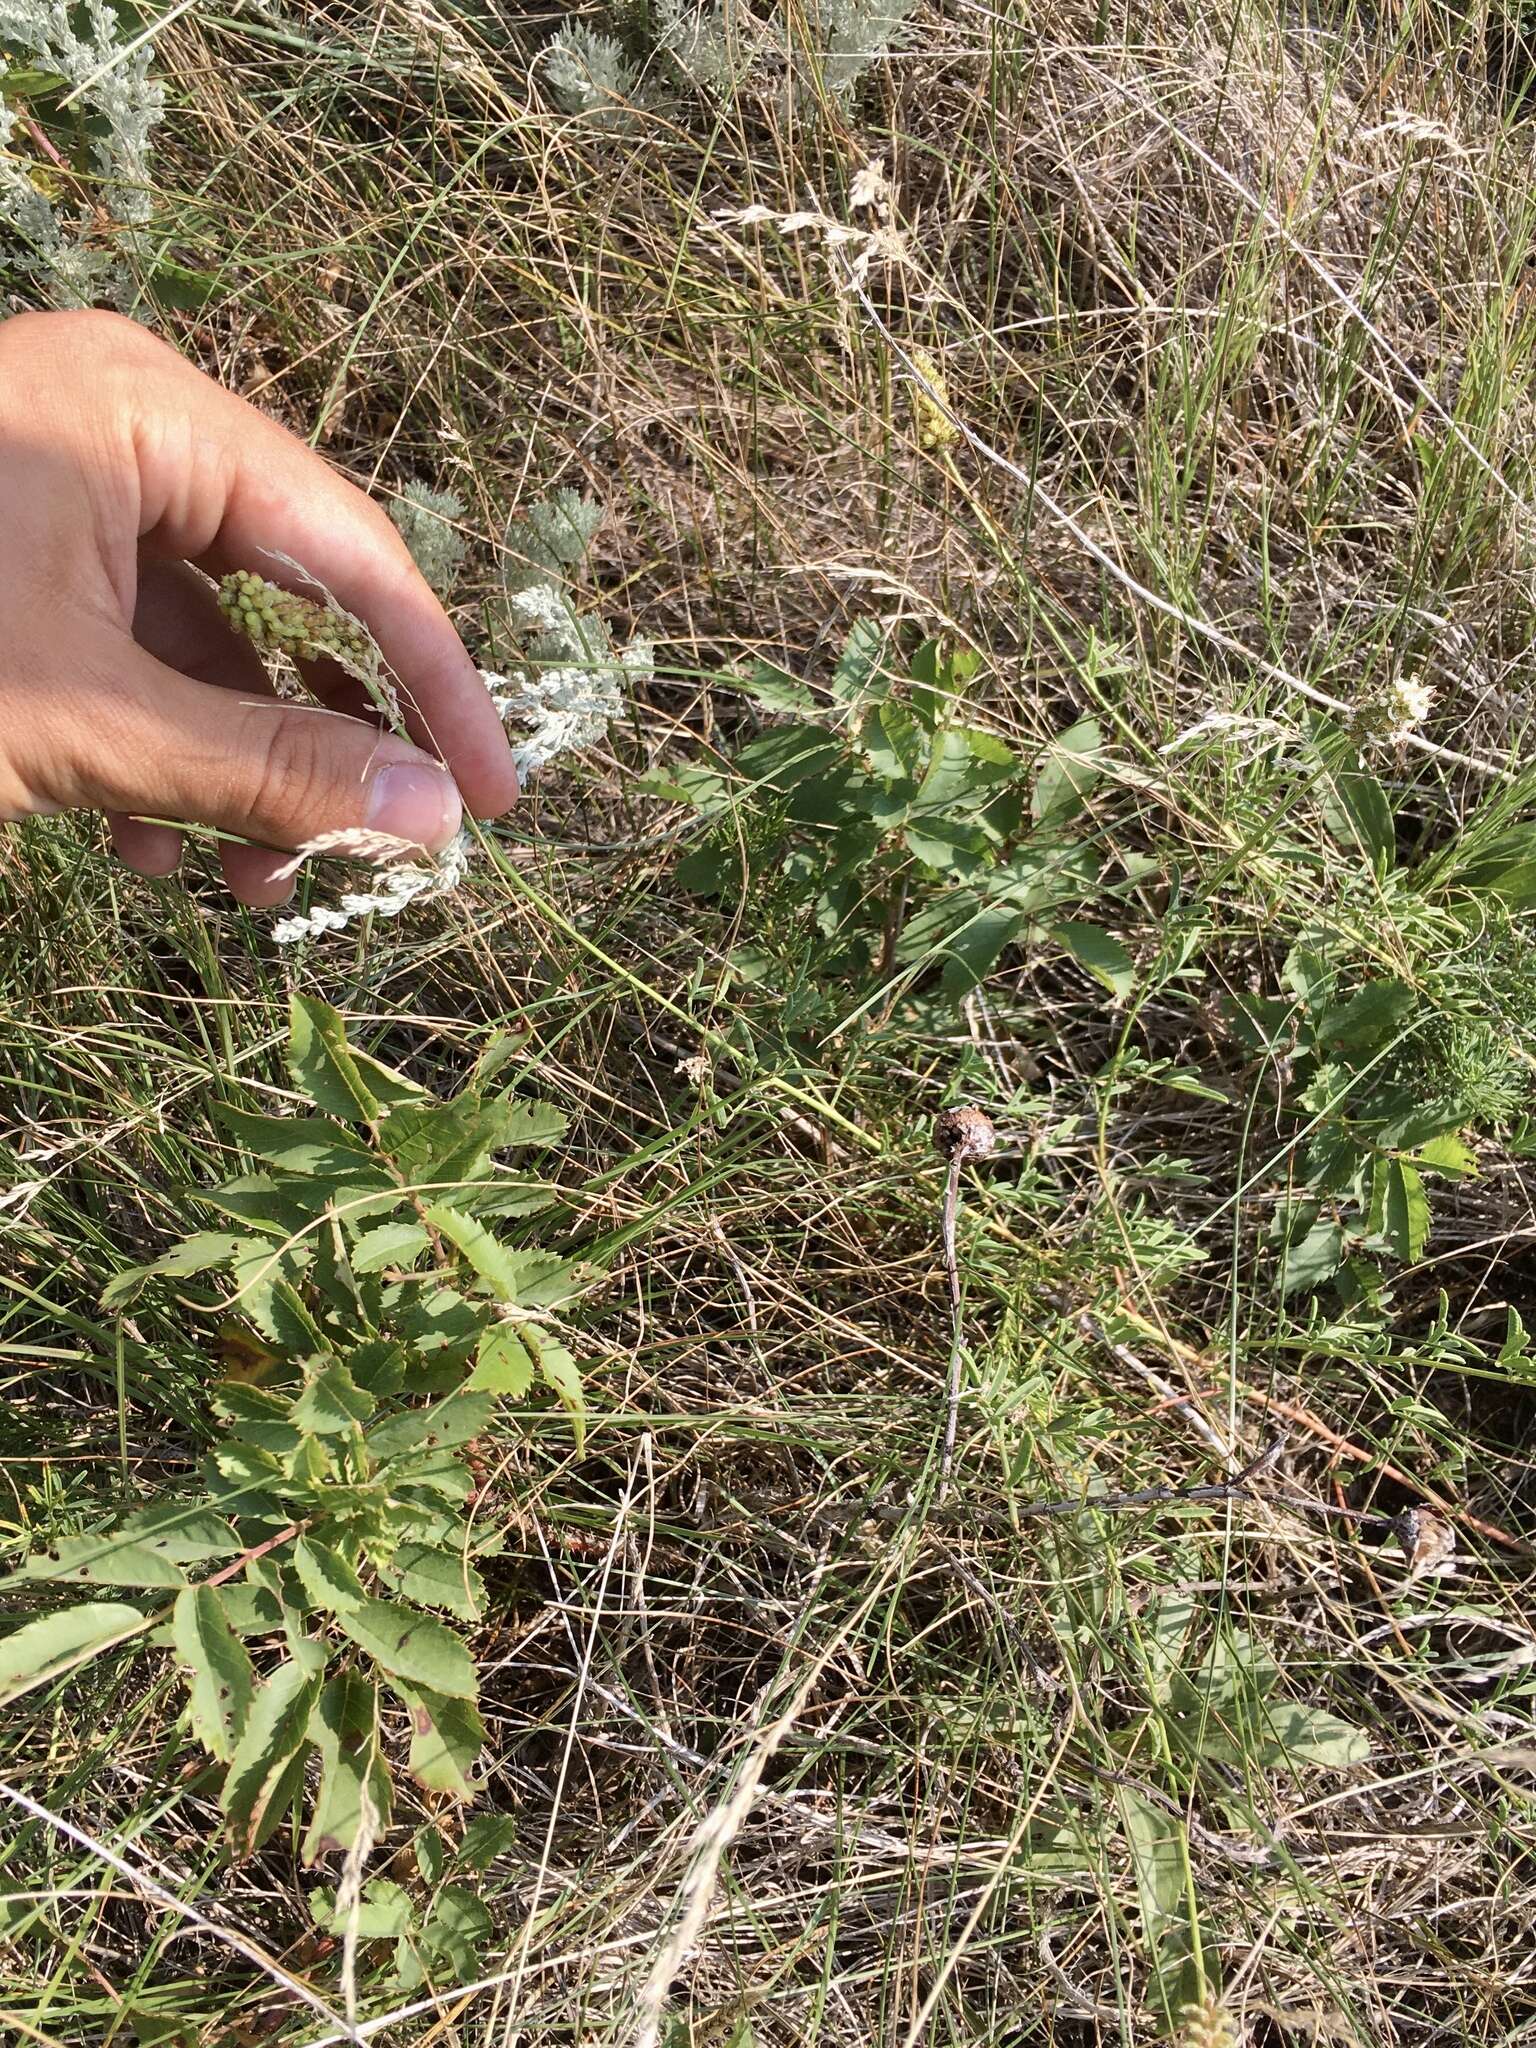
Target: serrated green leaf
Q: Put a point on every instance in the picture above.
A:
(433, 1577)
(893, 744)
(458, 1420)
(388, 1244)
(962, 765)
(524, 1279)
(221, 1682)
(561, 1374)
(1448, 1154)
(1316, 1258)
(251, 1610)
(487, 1836)
(1103, 956)
(446, 1737)
(859, 664)
(328, 1580)
(43, 1650)
(1373, 1017)
(282, 1207)
(332, 1403)
(355, 1793)
(108, 1558)
(321, 1063)
(776, 690)
(1407, 1210)
(412, 1646)
(1515, 1351)
(502, 1363)
(384, 1910)
(195, 1254)
(789, 754)
(311, 1146)
(259, 1780)
(439, 1146)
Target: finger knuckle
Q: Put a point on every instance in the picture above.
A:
(293, 783)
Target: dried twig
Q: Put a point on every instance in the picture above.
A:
(960, 1136)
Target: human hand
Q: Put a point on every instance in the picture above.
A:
(121, 687)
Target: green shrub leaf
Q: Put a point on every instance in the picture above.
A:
(45, 1649)
(412, 1646)
(222, 1683)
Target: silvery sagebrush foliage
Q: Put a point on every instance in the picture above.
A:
(717, 49)
(564, 692)
(424, 520)
(592, 75)
(91, 50)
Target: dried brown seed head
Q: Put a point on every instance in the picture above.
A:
(964, 1134)
(1428, 1543)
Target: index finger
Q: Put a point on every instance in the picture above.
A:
(226, 487)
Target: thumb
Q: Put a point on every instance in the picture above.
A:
(127, 733)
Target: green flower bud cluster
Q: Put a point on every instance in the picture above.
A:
(270, 617)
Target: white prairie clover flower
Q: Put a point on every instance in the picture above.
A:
(1409, 703)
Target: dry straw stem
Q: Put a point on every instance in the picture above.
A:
(1201, 628)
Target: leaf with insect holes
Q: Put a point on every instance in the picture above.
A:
(502, 1363)
(196, 1254)
(1103, 956)
(436, 1578)
(106, 1559)
(260, 1776)
(457, 1420)
(41, 1650)
(411, 1646)
(146, 1550)
(333, 1403)
(221, 1683)
(355, 1794)
(446, 1737)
